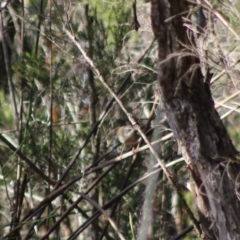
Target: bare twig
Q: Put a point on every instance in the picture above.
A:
(28, 162)
(104, 213)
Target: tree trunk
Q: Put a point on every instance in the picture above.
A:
(189, 107)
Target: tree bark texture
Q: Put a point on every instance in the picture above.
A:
(187, 101)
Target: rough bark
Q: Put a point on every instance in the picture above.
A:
(196, 124)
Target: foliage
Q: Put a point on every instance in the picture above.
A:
(60, 100)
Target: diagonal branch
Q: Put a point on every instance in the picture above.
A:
(27, 161)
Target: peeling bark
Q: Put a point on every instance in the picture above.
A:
(190, 110)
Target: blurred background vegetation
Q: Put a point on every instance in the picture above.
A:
(54, 110)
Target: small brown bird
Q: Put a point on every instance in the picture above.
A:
(126, 133)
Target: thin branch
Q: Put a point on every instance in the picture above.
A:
(28, 162)
(183, 233)
(104, 213)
